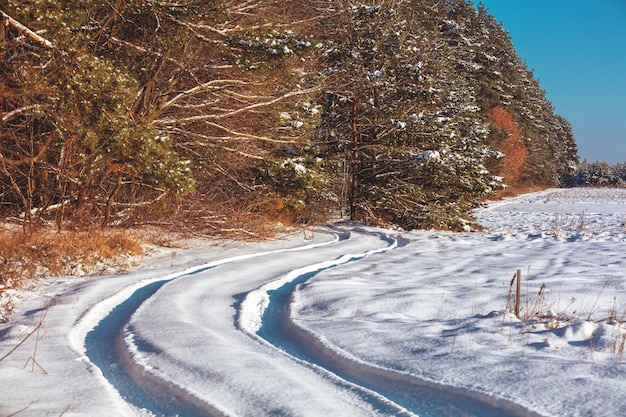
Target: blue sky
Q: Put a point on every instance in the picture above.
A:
(577, 49)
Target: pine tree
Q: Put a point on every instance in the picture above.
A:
(407, 127)
(73, 143)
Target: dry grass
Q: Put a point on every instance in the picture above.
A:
(536, 315)
(514, 191)
(24, 258)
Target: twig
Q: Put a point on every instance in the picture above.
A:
(593, 307)
(25, 31)
(453, 342)
(33, 357)
(35, 330)
(23, 409)
(8, 116)
(232, 113)
(21, 342)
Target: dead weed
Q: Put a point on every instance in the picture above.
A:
(25, 258)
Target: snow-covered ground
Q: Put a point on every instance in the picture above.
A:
(349, 321)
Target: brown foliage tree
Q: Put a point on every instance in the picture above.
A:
(513, 147)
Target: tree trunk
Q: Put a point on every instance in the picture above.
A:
(107, 209)
(355, 163)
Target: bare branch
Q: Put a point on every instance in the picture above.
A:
(29, 159)
(199, 35)
(244, 187)
(231, 113)
(208, 86)
(206, 141)
(268, 103)
(8, 116)
(246, 7)
(143, 50)
(234, 134)
(9, 21)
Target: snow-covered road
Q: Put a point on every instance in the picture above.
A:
(351, 322)
(190, 333)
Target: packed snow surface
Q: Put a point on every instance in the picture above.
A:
(344, 321)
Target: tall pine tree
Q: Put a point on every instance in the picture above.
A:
(409, 130)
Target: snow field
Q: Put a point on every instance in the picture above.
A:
(435, 307)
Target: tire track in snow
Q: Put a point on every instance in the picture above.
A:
(261, 313)
(148, 393)
(266, 313)
(99, 334)
(105, 348)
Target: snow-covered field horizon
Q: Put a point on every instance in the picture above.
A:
(349, 321)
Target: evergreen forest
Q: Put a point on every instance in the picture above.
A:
(229, 116)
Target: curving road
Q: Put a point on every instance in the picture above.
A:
(217, 340)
